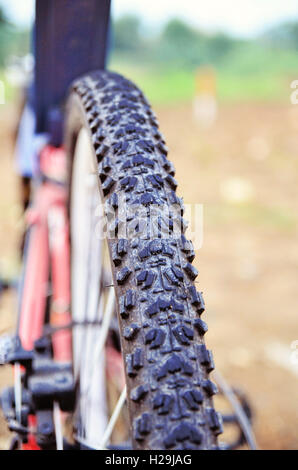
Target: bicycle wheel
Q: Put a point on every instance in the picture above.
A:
(118, 157)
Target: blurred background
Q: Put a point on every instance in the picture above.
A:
(219, 76)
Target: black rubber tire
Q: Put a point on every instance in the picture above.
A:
(167, 364)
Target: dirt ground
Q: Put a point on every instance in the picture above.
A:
(243, 169)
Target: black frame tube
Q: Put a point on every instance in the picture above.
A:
(71, 38)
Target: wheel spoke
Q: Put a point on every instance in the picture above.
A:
(18, 391)
(93, 394)
(241, 416)
(90, 300)
(86, 266)
(58, 426)
(107, 318)
(113, 420)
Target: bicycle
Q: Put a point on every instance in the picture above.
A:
(102, 243)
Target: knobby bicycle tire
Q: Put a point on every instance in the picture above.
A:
(167, 365)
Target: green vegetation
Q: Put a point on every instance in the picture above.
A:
(13, 41)
(165, 85)
(165, 65)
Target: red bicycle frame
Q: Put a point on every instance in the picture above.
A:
(48, 259)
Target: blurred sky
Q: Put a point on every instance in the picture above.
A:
(236, 17)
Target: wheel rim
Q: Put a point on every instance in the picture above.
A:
(86, 275)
